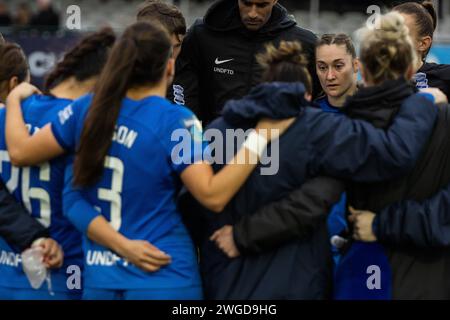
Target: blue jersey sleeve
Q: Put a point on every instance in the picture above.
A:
(76, 207)
(184, 139)
(66, 125)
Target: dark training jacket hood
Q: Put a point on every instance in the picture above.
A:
(379, 104)
(224, 16)
(275, 100)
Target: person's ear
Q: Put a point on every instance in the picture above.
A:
(424, 44)
(308, 96)
(356, 65)
(13, 82)
(170, 70)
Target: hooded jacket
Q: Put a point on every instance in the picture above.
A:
(300, 269)
(419, 267)
(217, 62)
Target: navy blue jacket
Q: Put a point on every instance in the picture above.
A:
(423, 224)
(17, 226)
(420, 231)
(411, 260)
(316, 143)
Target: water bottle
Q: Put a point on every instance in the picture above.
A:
(35, 269)
(421, 80)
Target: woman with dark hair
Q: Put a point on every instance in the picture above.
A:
(40, 188)
(421, 19)
(13, 68)
(337, 69)
(17, 227)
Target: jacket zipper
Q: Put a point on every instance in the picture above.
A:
(250, 68)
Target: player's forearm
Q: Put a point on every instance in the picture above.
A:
(214, 191)
(101, 232)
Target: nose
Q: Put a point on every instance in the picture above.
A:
(253, 14)
(331, 75)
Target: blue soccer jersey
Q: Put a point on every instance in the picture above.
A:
(40, 190)
(137, 191)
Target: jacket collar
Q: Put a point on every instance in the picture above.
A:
(379, 104)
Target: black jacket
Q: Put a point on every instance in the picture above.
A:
(301, 269)
(418, 270)
(424, 224)
(217, 61)
(297, 216)
(438, 76)
(17, 226)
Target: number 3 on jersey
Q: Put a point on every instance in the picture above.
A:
(113, 195)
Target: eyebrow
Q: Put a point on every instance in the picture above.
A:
(257, 3)
(334, 61)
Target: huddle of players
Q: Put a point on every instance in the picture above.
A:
(86, 188)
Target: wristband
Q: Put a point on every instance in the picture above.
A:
(255, 143)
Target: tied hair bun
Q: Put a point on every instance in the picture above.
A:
(288, 51)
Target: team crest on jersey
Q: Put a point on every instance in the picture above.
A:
(195, 129)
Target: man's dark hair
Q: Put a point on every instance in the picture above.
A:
(168, 15)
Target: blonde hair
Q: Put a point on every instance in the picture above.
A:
(285, 63)
(387, 52)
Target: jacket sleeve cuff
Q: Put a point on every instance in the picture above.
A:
(239, 240)
(376, 227)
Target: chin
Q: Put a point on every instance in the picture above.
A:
(253, 28)
(332, 94)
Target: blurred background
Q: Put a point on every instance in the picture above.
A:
(41, 28)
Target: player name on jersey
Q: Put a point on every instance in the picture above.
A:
(125, 136)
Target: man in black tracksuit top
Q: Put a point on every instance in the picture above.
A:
(217, 61)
